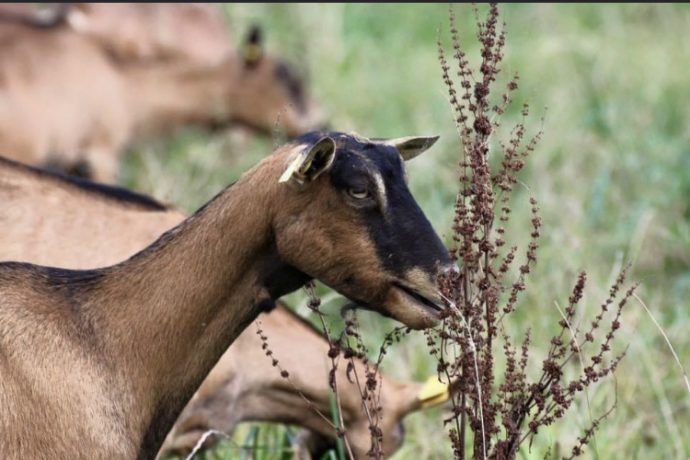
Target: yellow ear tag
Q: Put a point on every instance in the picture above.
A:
(252, 52)
(433, 392)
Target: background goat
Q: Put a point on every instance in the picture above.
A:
(45, 70)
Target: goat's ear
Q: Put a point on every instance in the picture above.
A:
(311, 162)
(411, 146)
(252, 49)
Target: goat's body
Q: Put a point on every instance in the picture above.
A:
(155, 31)
(47, 372)
(88, 394)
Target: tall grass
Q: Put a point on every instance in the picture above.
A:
(612, 176)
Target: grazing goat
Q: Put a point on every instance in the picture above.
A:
(99, 363)
(67, 103)
(72, 223)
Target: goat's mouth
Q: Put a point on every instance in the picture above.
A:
(405, 304)
(413, 308)
(420, 298)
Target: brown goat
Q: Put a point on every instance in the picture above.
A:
(72, 223)
(99, 363)
(69, 104)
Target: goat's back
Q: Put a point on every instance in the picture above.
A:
(194, 31)
(102, 225)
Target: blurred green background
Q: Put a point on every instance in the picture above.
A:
(612, 176)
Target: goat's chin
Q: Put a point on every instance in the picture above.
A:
(410, 309)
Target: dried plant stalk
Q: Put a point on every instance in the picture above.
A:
(495, 410)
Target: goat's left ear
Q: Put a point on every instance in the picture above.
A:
(411, 146)
(311, 162)
(253, 49)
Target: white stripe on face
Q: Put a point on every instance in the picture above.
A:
(381, 190)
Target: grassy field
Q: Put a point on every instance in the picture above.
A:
(612, 176)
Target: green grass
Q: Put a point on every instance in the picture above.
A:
(612, 176)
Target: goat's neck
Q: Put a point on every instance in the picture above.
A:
(172, 310)
(165, 95)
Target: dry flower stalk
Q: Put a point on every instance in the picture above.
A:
(495, 410)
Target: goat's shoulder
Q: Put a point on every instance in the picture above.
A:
(46, 303)
(33, 290)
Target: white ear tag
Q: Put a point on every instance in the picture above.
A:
(294, 166)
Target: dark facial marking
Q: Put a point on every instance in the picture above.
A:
(265, 305)
(402, 234)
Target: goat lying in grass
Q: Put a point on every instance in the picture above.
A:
(99, 363)
(69, 103)
(72, 223)
(237, 391)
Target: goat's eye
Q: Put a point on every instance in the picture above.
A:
(358, 193)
